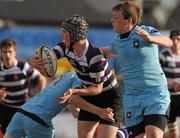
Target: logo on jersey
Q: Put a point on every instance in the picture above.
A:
(128, 115)
(136, 44)
(15, 77)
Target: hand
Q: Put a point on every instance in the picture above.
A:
(106, 114)
(145, 35)
(177, 87)
(37, 62)
(2, 93)
(66, 96)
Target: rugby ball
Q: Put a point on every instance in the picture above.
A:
(50, 68)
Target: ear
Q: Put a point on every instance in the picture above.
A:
(129, 20)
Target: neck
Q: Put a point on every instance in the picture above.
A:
(126, 29)
(79, 46)
(177, 52)
(10, 64)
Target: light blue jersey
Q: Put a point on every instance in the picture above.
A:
(145, 84)
(45, 104)
(138, 60)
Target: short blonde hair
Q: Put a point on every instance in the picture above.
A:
(130, 10)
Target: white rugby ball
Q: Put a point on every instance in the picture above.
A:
(50, 68)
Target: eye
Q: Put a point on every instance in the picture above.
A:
(63, 30)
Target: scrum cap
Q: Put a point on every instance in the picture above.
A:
(76, 26)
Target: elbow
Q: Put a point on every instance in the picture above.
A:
(97, 91)
(169, 43)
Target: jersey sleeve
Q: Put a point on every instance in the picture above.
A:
(75, 82)
(152, 31)
(59, 50)
(98, 65)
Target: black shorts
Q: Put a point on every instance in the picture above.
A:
(110, 98)
(174, 108)
(159, 121)
(6, 113)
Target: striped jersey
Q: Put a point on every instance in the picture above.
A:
(16, 81)
(171, 67)
(91, 68)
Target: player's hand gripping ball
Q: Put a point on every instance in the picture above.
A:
(50, 68)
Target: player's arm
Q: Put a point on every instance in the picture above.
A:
(160, 39)
(104, 113)
(88, 91)
(107, 53)
(2, 93)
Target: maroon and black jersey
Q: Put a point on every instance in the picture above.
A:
(16, 81)
(92, 68)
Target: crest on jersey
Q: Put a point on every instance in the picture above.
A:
(15, 77)
(128, 115)
(136, 43)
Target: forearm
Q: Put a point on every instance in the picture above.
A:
(107, 53)
(163, 41)
(79, 102)
(89, 91)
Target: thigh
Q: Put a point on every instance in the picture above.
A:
(107, 131)
(159, 121)
(155, 125)
(86, 129)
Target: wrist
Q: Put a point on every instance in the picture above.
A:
(149, 39)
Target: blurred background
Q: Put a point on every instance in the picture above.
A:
(32, 23)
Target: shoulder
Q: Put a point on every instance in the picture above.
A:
(94, 50)
(21, 64)
(149, 29)
(165, 52)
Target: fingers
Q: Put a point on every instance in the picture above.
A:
(108, 114)
(109, 109)
(110, 118)
(62, 100)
